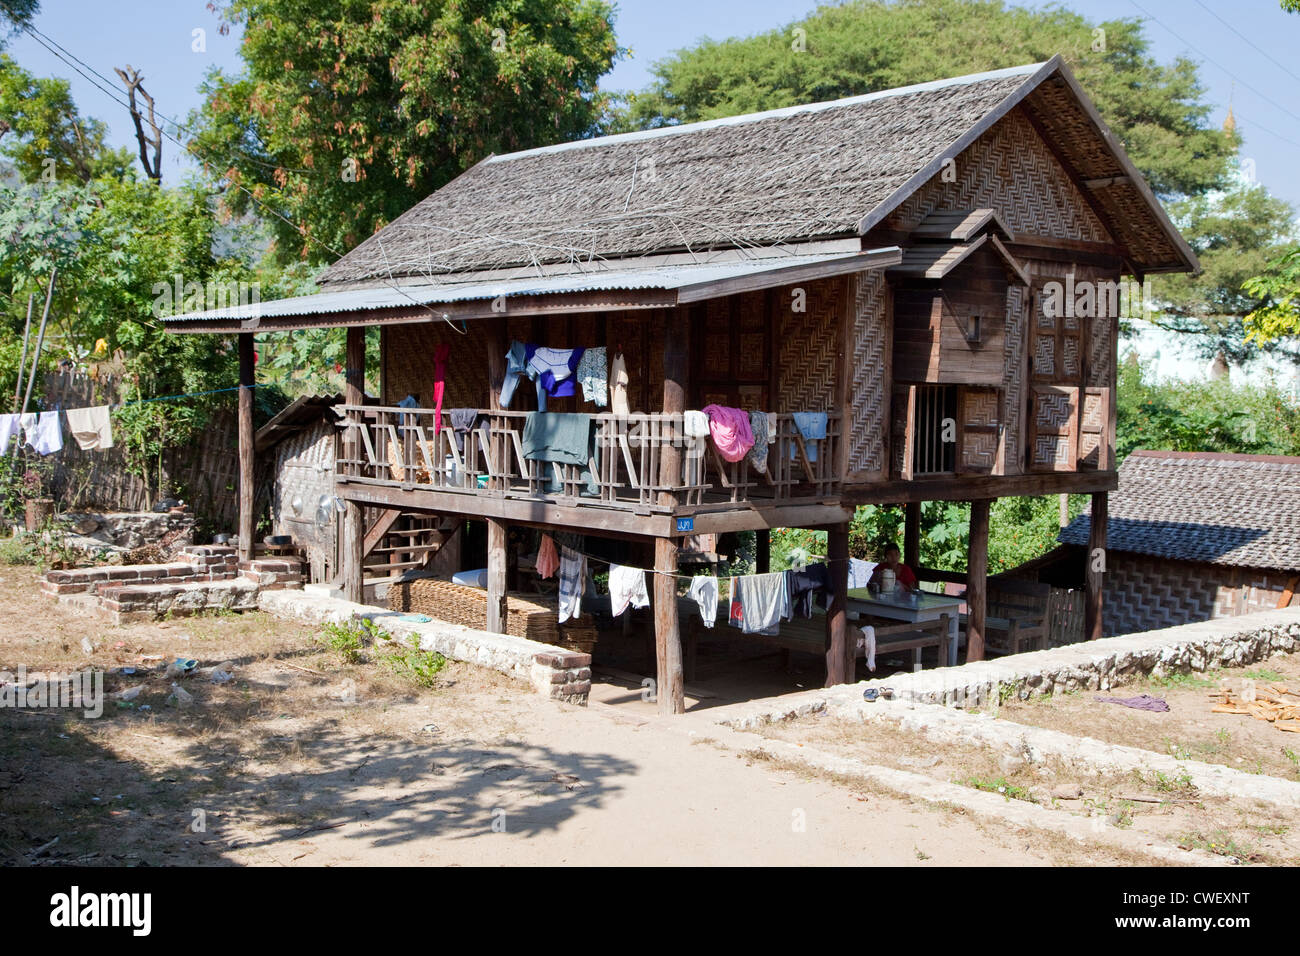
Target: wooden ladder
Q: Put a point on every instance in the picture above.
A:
(397, 543)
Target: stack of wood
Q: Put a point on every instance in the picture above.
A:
(533, 616)
(1269, 704)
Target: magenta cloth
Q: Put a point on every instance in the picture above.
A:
(730, 430)
(440, 354)
(1140, 702)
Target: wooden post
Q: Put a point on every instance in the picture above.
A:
(353, 531)
(763, 550)
(496, 576)
(246, 375)
(496, 346)
(912, 535)
(977, 567)
(1096, 567)
(841, 655)
(670, 682)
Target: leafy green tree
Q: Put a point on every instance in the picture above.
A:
(1158, 111)
(1236, 233)
(15, 14)
(43, 135)
(351, 111)
(1278, 288)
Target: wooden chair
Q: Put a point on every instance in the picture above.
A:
(1015, 617)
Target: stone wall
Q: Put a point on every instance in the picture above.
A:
(128, 530)
(551, 671)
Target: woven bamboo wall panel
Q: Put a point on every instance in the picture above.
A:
(1101, 352)
(808, 347)
(408, 364)
(1143, 593)
(304, 469)
(1011, 170)
(1013, 378)
(869, 382)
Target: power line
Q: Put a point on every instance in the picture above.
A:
(1249, 42)
(1215, 63)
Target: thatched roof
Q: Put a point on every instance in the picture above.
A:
(1236, 510)
(806, 173)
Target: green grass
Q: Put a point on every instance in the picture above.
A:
(18, 549)
(1182, 681)
(349, 638)
(1265, 673)
(1001, 785)
(421, 667)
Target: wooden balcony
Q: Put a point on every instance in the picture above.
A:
(394, 457)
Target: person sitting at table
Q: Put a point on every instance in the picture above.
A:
(903, 575)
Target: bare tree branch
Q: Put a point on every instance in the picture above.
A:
(133, 81)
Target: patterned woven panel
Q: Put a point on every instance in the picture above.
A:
(1094, 413)
(1055, 109)
(1143, 594)
(1101, 352)
(899, 424)
(1090, 450)
(869, 389)
(809, 348)
(1011, 170)
(1052, 411)
(1070, 357)
(1048, 450)
(408, 364)
(1013, 395)
(1044, 356)
(979, 451)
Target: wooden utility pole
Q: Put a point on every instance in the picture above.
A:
(841, 654)
(912, 534)
(354, 393)
(247, 372)
(977, 567)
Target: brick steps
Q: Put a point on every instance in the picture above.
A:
(202, 577)
(148, 602)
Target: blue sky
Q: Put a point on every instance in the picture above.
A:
(158, 40)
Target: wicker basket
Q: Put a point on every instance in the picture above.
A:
(533, 616)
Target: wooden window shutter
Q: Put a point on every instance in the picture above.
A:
(979, 426)
(1094, 419)
(903, 412)
(1053, 438)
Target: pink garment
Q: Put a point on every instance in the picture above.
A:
(440, 354)
(730, 430)
(548, 558)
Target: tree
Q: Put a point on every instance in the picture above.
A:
(43, 134)
(351, 111)
(1157, 111)
(16, 14)
(1278, 315)
(1236, 234)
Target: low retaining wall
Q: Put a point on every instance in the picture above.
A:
(1093, 665)
(552, 671)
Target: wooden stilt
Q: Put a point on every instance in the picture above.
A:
(912, 534)
(840, 652)
(1093, 624)
(977, 566)
(670, 683)
(496, 576)
(246, 463)
(353, 532)
(763, 550)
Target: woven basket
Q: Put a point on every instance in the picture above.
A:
(533, 616)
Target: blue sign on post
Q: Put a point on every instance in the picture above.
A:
(685, 524)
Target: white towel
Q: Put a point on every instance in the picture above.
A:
(868, 643)
(91, 427)
(860, 573)
(9, 428)
(695, 424)
(626, 586)
(704, 591)
(43, 432)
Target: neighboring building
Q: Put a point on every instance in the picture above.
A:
(301, 439)
(1193, 536)
(918, 284)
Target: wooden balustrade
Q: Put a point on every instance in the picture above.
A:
(399, 447)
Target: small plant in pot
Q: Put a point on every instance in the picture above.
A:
(39, 506)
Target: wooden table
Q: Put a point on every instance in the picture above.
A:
(912, 608)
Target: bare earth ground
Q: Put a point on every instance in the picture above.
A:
(1166, 808)
(304, 760)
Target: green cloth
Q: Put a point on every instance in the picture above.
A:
(564, 438)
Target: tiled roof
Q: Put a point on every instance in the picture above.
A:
(1239, 510)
